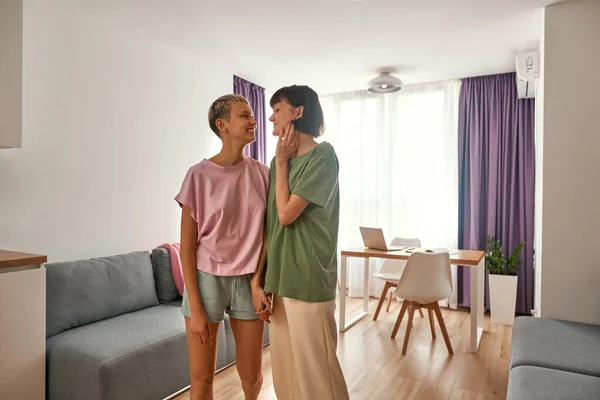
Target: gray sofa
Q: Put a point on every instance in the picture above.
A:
(553, 359)
(114, 329)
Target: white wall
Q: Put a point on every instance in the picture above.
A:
(112, 121)
(11, 56)
(571, 188)
(539, 182)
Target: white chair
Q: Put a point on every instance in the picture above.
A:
(391, 271)
(426, 280)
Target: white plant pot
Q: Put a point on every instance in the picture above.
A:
(503, 298)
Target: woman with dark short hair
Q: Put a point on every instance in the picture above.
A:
(302, 235)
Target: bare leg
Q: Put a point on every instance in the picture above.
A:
(203, 362)
(248, 347)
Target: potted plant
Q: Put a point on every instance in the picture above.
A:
(503, 280)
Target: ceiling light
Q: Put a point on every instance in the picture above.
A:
(384, 83)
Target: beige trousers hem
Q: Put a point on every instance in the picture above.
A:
(303, 340)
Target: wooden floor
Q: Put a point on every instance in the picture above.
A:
(375, 368)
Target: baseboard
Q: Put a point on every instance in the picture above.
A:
(178, 393)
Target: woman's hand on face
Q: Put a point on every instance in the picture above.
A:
(287, 144)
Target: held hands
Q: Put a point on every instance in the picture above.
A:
(261, 303)
(287, 144)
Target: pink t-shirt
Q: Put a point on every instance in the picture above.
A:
(229, 205)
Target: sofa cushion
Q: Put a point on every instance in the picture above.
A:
(534, 383)
(166, 289)
(176, 303)
(140, 355)
(86, 291)
(567, 346)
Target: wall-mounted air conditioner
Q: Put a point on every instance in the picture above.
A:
(528, 74)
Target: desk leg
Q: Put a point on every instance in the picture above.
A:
(343, 283)
(477, 304)
(366, 287)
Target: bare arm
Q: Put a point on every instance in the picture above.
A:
(259, 298)
(289, 206)
(258, 280)
(189, 241)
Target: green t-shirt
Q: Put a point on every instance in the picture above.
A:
(302, 257)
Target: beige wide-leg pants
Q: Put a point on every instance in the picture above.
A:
(303, 342)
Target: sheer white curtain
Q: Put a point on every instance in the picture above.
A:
(398, 168)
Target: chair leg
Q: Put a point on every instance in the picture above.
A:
(431, 323)
(386, 287)
(420, 313)
(390, 298)
(411, 313)
(399, 320)
(438, 313)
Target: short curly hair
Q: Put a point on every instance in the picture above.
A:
(221, 109)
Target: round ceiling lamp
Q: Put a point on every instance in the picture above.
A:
(384, 83)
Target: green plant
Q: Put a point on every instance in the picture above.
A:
(495, 260)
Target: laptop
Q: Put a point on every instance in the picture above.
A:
(373, 239)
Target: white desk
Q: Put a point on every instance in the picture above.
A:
(470, 258)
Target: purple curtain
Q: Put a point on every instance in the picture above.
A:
(256, 96)
(496, 140)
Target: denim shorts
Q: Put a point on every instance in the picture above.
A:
(223, 294)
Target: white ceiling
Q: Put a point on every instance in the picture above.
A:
(338, 45)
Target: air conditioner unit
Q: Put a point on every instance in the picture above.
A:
(528, 74)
